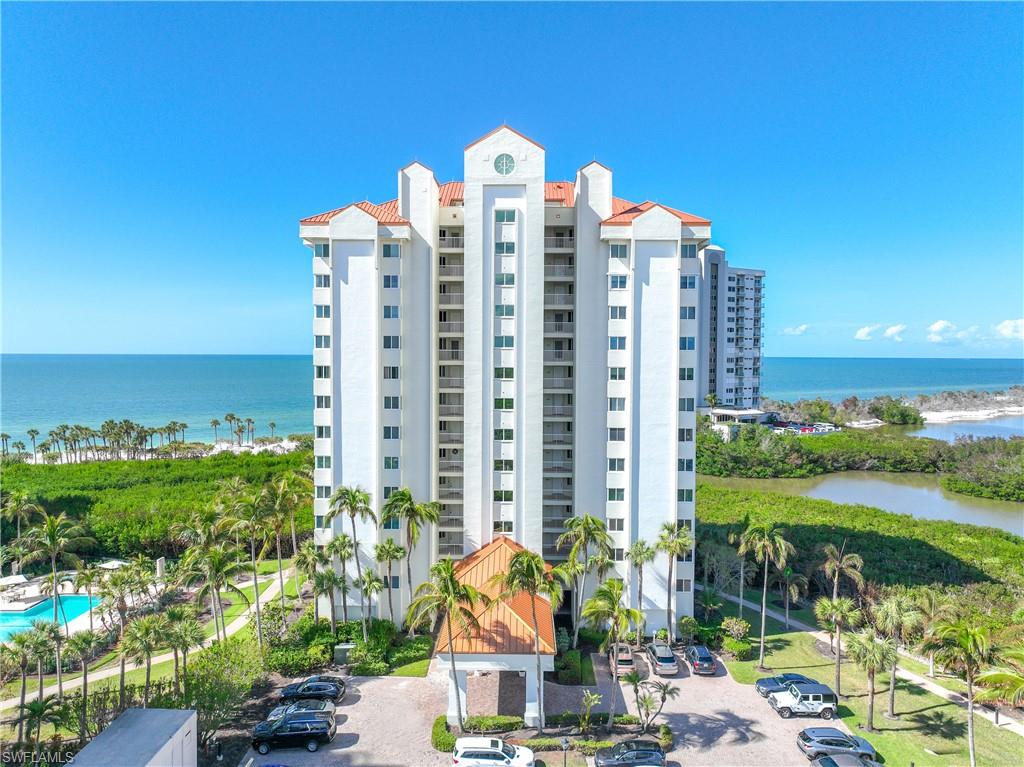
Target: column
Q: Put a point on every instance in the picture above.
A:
(456, 687)
(531, 716)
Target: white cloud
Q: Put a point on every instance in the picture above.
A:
(895, 332)
(940, 331)
(799, 330)
(1012, 329)
(864, 334)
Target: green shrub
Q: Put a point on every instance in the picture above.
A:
(591, 747)
(441, 738)
(562, 639)
(289, 661)
(570, 667)
(592, 637)
(709, 635)
(585, 747)
(736, 628)
(740, 649)
(572, 719)
(408, 650)
(304, 441)
(368, 660)
(493, 724)
(665, 738)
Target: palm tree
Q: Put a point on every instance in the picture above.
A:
(215, 568)
(839, 564)
(792, 585)
(17, 508)
(32, 434)
(56, 640)
(36, 713)
(640, 554)
(606, 608)
(1005, 682)
(88, 577)
(174, 616)
(183, 636)
(341, 546)
(443, 593)
(214, 424)
(250, 514)
(144, 637)
(709, 603)
(897, 615)
(20, 644)
(839, 614)
(271, 425)
(308, 559)
(294, 488)
(355, 503)
(674, 541)
(964, 649)
(767, 542)
(56, 538)
(325, 582)
(387, 553)
(582, 534)
(934, 609)
(371, 585)
(403, 507)
(4, 437)
(735, 538)
(84, 645)
(873, 653)
(665, 691)
(40, 649)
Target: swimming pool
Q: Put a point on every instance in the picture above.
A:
(71, 606)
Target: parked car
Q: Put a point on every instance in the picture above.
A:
(770, 684)
(324, 707)
(313, 688)
(804, 700)
(630, 752)
(302, 729)
(623, 655)
(487, 752)
(844, 760)
(700, 659)
(825, 741)
(662, 659)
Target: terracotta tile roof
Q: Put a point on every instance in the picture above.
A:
(563, 192)
(451, 193)
(499, 128)
(506, 627)
(385, 213)
(624, 211)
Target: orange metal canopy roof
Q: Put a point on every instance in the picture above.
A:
(624, 211)
(385, 213)
(506, 626)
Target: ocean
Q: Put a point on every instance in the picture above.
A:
(42, 391)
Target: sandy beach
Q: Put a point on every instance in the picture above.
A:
(945, 416)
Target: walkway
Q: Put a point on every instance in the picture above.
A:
(94, 676)
(931, 686)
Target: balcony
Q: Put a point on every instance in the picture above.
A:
(557, 494)
(450, 437)
(559, 299)
(558, 383)
(558, 467)
(447, 466)
(452, 270)
(449, 493)
(451, 243)
(558, 355)
(559, 243)
(558, 438)
(450, 521)
(449, 549)
(559, 327)
(451, 410)
(450, 327)
(558, 411)
(451, 383)
(564, 271)
(450, 299)
(450, 354)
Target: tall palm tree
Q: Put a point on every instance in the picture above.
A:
(272, 426)
(32, 434)
(402, 506)
(735, 537)
(18, 508)
(183, 636)
(342, 547)
(792, 585)
(767, 542)
(57, 639)
(174, 616)
(56, 538)
(214, 424)
(144, 637)
(308, 559)
(898, 617)
(325, 583)
(839, 564)
(40, 650)
(354, 502)
(250, 512)
(371, 585)
(20, 644)
(839, 614)
(88, 577)
(964, 649)
(84, 645)
(606, 608)
(582, 534)
(874, 653)
(1005, 681)
(36, 713)
(709, 602)
(674, 541)
(443, 593)
(528, 575)
(387, 553)
(640, 554)
(216, 569)
(295, 489)
(934, 610)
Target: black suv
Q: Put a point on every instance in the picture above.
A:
(630, 752)
(769, 684)
(317, 688)
(304, 729)
(700, 659)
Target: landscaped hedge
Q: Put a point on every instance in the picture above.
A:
(572, 719)
(585, 747)
(740, 649)
(569, 667)
(441, 738)
(492, 724)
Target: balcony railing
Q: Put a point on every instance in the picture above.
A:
(449, 549)
(558, 410)
(557, 467)
(450, 270)
(449, 354)
(450, 299)
(450, 521)
(559, 299)
(558, 355)
(451, 383)
(557, 383)
(449, 327)
(450, 410)
(449, 493)
(558, 327)
(557, 438)
(561, 270)
(559, 242)
(451, 437)
(450, 466)
(451, 242)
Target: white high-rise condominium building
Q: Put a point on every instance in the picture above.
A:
(518, 349)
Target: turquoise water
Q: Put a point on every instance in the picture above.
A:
(42, 391)
(71, 606)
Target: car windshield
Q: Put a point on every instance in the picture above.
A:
(827, 761)
(508, 751)
(664, 653)
(620, 749)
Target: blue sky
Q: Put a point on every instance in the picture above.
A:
(156, 158)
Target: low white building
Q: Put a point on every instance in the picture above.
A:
(145, 737)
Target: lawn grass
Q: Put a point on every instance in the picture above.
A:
(927, 721)
(587, 670)
(416, 668)
(951, 683)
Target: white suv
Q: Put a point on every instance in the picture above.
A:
(489, 752)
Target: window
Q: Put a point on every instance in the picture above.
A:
(321, 401)
(389, 490)
(391, 523)
(504, 374)
(687, 312)
(504, 248)
(616, 312)
(505, 216)
(390, 280)
(391, 462)
(616, 464)
(390, 312)
(503, 403)
(323, 432)
(504, 278)
(684, 495)
(323, 491)
(618, 555)
(395, 582)
(391, 342)
(321, 342)
(688, 282)
(322, 250)
(687, 343)
(686, 404)
(504, 310)
(320, 522)
(391, 403)
(617, 343)
(617, 282)
(616, 374)
(688, 250)
(321, 371)
(391, 432)
(323, 462)
(616, 524)
(503, 435)
(616, 494)
(503, 495)
(392, 250)
(503, 526)
(618, 250)
(503, 464)
(683, 584)
(685, 464)
(321, 280)
(685, 374)
(616, 404)
(616, 435)
(686, 435)
(322, 311)
(503, 342)
(391, 372)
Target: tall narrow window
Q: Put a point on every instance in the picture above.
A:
(392, 250)
(321, 280)
(322, 311)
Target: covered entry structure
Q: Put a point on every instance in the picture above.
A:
(505, 639)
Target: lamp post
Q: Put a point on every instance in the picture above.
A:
(565, 750)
